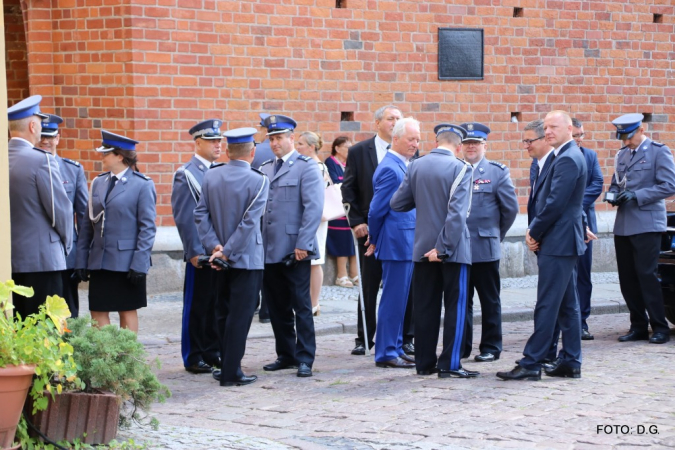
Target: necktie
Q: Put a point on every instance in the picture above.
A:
(632, 153)
(535, 169)
(277, 166)
(113, 180)
(389, 147)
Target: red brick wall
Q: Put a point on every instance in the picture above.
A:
(153, 68)
(16, 59)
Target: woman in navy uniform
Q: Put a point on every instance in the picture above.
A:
(115, 243)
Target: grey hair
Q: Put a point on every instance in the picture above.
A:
(399, 128)
(537, 126)
(449, 138)
(379, 114)
(576, 123)
(21, 125)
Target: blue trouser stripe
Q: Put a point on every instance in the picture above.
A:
(185, 345)
(461, 317)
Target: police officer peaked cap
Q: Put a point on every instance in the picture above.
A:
(112, 141)
(627, 125)
(25, 108)
(263, 116)
(240, 135)
(208, 129)
(50, 125)
(475, 131)
(449, 128)
(277, 124)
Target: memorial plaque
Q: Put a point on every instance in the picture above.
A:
(460, 54)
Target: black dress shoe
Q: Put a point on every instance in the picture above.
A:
(359, 350)
(586, 335)
(460, 373)
(264, 319)
(304, 370)
(199, 367)
(486, 357)
(409, 348)
(427, 372)
(550, 365)
(280, 365)
(519, 373)
(407, 358)
(659, 338)
(238, 382)
(396, 363)
(564, 371)
(634, 336)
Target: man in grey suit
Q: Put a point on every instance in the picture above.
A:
(439, 186)
(293, 215)
(557, 231)
(199, 337)
(75, 184)
(228, 220)
(644, 177)
(494, 207)
(41, 215)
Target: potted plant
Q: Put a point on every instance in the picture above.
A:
(31, 345)
(118, 386)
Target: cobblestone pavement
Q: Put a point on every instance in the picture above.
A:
(351, 404)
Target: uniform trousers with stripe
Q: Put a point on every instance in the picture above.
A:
(436, 284)
(199, 336)
(485, 280)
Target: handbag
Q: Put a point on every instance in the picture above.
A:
(332, 203)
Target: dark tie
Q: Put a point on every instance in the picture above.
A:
(277, 166)
(632, 153)
(535, 173)
(113, 180)
(388, 146)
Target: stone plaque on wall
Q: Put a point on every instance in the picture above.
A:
(460, 54)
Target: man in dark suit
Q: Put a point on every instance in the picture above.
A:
(357, 190)
(557, 232)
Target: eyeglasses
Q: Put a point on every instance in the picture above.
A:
(577, 136)
(529, 141)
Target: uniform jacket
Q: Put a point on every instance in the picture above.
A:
(392, 232)
(558, 222)
(594, 182)
(75, 185)
(184, 199)
(294, 208)
(494, 207)
(441, 222)
(41, 216)
(263, 152)
(357, 185)
(229, 211)
(651, 175)
(128, 225)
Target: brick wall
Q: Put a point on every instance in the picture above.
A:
(16, 60)
(153, 68)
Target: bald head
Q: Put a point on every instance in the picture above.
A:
(557, 128)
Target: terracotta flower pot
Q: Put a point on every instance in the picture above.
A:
(14, 384)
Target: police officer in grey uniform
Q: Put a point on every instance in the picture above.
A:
(644, 176)
(439, 186)
(293, 215)
(228, 221)
(494, 207)
(199, 336)
(115, 243)
(75, 184)
(41, 216)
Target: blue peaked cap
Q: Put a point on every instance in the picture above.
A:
(25, 108)
(115, 140)
(263, 116)
(277, 124)
(50, 125)
(475, 131)
(627, 125)
(449, 128)
(208, 129)
(240, 135)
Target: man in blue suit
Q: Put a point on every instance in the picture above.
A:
(557, 232)
(391, 237)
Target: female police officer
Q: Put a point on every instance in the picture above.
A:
(114, 244)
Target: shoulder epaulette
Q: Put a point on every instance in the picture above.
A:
(266, 162)
(70, 161)
(181, 169)
(145, 177)
(462, 161)
(658, 144)
(217, 165)
(43, 151)
(500, 165)
(258, 170)
(304, 158)
(101, 174)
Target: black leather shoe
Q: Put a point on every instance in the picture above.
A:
(427, 372)
(264, 319)
(586, 335)
(460, 373)
(486, 357)
(359, 350)
(238, 382)
(280, 365)
(407, 358)
(564, 371)
(659, 338)
(396, 363)
(519, 373)
(634, 336)
(409, 348)
(199, 367)
(550, 365)
(304, 370)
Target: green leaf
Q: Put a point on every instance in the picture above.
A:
(57, 310)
